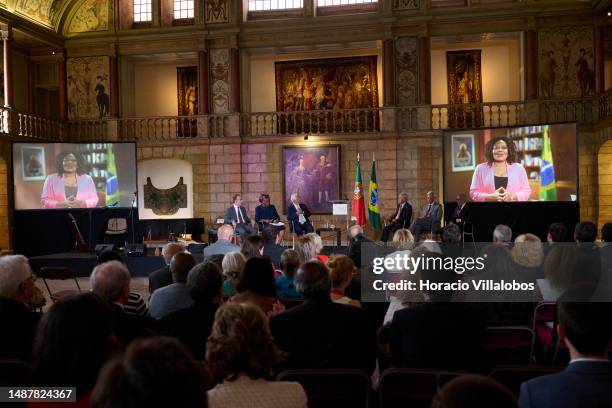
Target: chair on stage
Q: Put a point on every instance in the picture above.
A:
(115, 228)
(468, 231)
(59, 273)
(332, 388)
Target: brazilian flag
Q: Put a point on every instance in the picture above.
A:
(112, 183)
(373, 206)
(548, 188)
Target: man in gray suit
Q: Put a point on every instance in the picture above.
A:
(238, 217)
(429, 219)
(224, 242)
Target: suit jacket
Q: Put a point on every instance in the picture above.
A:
(453, 212)
(322, 334)
(405, 215)
(230, 215)
(435, 213)
(438, 335)
(160, 278)
(19, 328)
(293, 216)
(354, 250)
(581, 384)
(221, 247)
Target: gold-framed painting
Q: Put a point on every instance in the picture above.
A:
(464, 79)
(329, 84)
(187, 97)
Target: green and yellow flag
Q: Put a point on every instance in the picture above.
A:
(548, 187)
(112, 183)
(373, 206)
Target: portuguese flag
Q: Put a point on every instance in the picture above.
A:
(358, 202)
(373, 207)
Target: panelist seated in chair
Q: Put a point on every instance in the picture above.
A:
(266, 215)
(429, 219)
(238, 217)
(460, 213)
(400, 219)
(297, 214)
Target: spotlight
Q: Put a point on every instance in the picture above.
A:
(306, 137)
(609, 13)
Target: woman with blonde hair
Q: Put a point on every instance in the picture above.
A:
(241, 354)
(403, 239)
(232, 265)
(318, 242)
(306, 248)
(341, 268)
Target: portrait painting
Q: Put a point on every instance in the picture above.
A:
(325, 84)
(313, 172)
(464, 81)
(463, 157)
(33, 163)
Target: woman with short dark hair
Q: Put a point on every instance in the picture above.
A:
(257, 285)
(70, 186)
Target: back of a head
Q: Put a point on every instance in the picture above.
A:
(403, 239)
(217, 259)
(109, 279)
(451, 234)
(233, 264)
(110, 255)
(528, 250)
(153, 372)
(241, 343)
(14, 270)
(318, 242)
(205, 281)
(558, 232)
(73, 342)
(252, 246)
(313, 279)
(606, 232)
(585, 319)
(354, 231)
(585, 231)
(225, 232)
(170, 250)
(269, 235)
(341, 269)
(258, 277)
(498, 262)
(559, 265)
(306, 248)
(180, 265)
(502, 233)
(289, 262)
(474, 391)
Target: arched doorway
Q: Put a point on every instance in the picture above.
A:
(604, 160)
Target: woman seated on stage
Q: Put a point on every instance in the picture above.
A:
(266, 214)
(501, 178)
(70, 186)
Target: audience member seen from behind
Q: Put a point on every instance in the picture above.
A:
(587, 380)
(588, 261)
(252, 246)
(233, 265)
(474, 391)
(356, 240)
(606, 232)
(557, 232)
(135, 303)
(176, 296)
(306, 248)
(502, 234)
(192, 325)
(74, 339)
(528, 257)
(257, 285)
(16, 290)
(271, 248)
(341, 269)
(225, 233)
(318, 247)
(163, 277)
(585, 232)
(320, 333)
(155, 372)
(285, 286)
(241, 354)
(559, 267)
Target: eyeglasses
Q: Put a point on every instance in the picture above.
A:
(70, 160)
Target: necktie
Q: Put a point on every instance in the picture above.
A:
(399, 210)
(428, 211)
(240, 220)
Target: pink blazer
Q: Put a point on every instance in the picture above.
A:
(483, 182)
(54, 191)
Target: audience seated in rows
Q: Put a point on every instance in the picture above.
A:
(163, 277)
(557, 232)
(356, 239)
(224, 244)
(587, 381)
(271, 248)
(233, 265)
(320, 333)
(341, 269)
(252, 246)
(135, 303)
(176, 296)
(585, 231)
(241, 354)
(474, 391)
(18, 321)
(74, 339)
(154, 372)
(192, 325)
(306, 248)
(528, 257)
(285, 285)
(257, 285)
(318, 242)
(559, 267)
(111, 280)
(502, 234)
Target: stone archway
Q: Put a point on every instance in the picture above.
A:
(604, 160)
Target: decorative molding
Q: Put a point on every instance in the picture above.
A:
(406, 4)
(217, 11)
(406, 70)
(220, 80)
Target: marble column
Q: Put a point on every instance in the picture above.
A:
(235, 78)
(388, 94)
(202, 82)
(424, 70)
(63, 92)
(7, 40)
(531, 65)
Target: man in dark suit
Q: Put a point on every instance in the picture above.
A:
(18, 322)
(238, 217)
(297, 214)
(162, 277)
(587, 380)
(400, 219)
(458, 214)
(320, 333)
(429, 219)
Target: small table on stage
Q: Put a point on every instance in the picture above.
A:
(328, 229)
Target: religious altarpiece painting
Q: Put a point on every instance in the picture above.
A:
(187, 97)
(308, 91)
(464, 79)
(313, 172)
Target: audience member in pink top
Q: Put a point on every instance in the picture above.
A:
(70, 187)
(501, 178)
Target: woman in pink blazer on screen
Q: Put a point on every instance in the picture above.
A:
(70, 187)
(501, 178)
